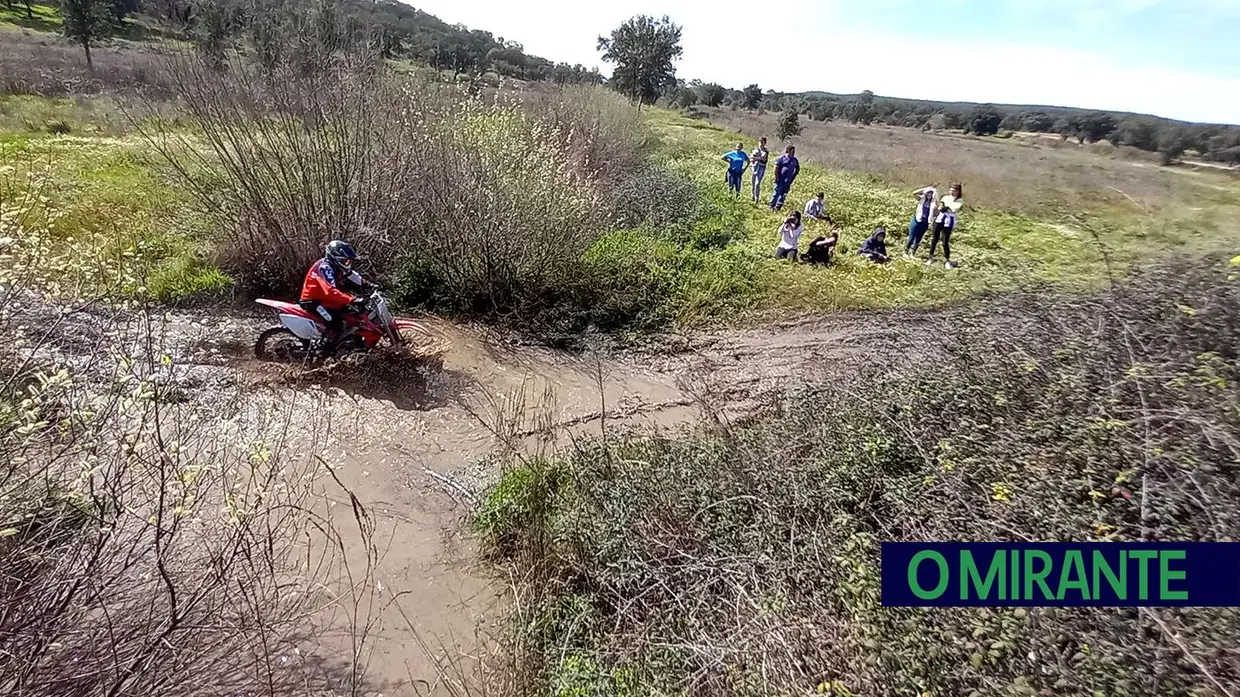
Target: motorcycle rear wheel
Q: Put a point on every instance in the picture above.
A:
(280, 344)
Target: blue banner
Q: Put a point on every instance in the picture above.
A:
(1061, 574)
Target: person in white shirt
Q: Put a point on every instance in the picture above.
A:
(815, 208)
(789, 237)
(758, 159)
(945, 223)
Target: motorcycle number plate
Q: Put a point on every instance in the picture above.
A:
(301, 327)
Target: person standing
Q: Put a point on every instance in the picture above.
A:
(737, 161)
(786, 169)
(945, 224)
(922, 215)
(789, 237)
(758, 158)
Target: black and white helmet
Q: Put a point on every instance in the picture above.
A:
(341, 255)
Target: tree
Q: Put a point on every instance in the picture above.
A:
(753, 96)
(984, 120)
(712, 94)
(644, 51)
(87, 22)
(1139, 133)
(789, 125)
(1096, 126)
(1172, 145)
(1068, 127)
(860, 111)
(1038, 122)
(821, 111)
(686, 98)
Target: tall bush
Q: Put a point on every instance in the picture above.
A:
(483, 205)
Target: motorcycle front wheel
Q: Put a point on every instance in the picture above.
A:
(280, 344)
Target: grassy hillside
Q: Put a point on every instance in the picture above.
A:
(687, 256)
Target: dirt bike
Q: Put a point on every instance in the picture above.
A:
(302, 334)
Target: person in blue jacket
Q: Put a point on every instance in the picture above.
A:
(786, 169)
(738, 162)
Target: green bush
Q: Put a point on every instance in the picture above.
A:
(659, 198)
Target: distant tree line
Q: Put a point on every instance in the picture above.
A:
(1218, 143)
(395, 29)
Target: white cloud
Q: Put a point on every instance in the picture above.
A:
(806, 46)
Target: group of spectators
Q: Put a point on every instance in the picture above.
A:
(787, 166)
(933, 213)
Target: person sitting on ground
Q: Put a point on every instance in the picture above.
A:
(922, 215)
(789, 237)
(737, 161)
(945, 223)
(875, 248)
(819, 251)
(330, 286)
(815, 208)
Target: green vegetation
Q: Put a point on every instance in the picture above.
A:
(744, 560)
(644, 50)
(35, 16)
(114, 205)
(681, 251)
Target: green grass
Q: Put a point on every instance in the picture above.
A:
(95, 115)
(40, 18)
(996, 250)
(111, 191)
(717, 265)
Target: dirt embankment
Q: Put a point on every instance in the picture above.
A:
(417, 438)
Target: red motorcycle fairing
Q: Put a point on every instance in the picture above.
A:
(367, 331)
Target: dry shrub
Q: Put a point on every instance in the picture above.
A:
(482, 205)
(49, 66)
(746, 561)
(606, 138)
(145, 549)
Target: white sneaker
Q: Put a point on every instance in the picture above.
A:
(930, 261)
(949, 265)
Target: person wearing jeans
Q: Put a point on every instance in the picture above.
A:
(737, 161)
(786, 169)
(758, 158)
(922, 216)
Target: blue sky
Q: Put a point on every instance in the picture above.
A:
(1174, 58)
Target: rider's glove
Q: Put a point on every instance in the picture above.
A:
(358, 304)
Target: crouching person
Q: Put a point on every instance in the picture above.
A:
(820, 249)
(875, 248)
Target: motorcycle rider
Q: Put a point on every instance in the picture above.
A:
(330, 286)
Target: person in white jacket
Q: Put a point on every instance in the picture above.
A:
(790, 237)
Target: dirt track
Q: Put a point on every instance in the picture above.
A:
(410, 437)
